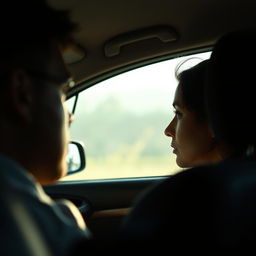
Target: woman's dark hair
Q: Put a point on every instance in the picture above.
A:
(192, 86)
(230, 90)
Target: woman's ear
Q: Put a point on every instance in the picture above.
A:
(21, 93)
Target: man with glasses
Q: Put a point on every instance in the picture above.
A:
(33, 117)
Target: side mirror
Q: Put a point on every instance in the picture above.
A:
(76, 158)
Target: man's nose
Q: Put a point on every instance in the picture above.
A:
(70, 118)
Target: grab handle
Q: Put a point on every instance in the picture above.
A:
(164, 33)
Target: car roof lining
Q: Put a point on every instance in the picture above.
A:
(121, 69)
(198, 23)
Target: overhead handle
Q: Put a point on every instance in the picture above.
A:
(165, 34)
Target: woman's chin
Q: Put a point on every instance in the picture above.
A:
(181, 163)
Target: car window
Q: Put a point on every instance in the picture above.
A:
(121, 123)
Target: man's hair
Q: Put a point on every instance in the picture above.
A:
(29, 25)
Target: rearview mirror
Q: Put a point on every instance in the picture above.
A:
(75, 158)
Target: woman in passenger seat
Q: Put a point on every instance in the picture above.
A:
(211, 206)
(193, 141)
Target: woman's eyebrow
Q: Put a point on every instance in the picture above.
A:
(179, 105)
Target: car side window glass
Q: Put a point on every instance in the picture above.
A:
(121, 123)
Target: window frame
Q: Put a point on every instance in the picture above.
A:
(75, 92)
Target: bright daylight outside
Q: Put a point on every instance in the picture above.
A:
(121, 123)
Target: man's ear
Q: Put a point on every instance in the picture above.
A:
(210, 131)
(20, 90)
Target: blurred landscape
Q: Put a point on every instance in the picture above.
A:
(121, 123)
(121, 143)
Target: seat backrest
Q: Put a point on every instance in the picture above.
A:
(203, 207)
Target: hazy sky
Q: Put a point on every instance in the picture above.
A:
(149, 87)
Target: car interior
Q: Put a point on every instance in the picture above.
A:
(115, 37)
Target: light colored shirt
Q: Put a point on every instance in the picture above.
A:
(59, 222)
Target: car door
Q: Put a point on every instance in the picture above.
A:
(120, 121)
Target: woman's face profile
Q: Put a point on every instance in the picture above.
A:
(192, 140)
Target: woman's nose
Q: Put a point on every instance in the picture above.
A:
(170, 130)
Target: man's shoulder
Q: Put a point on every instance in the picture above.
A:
(50, 217)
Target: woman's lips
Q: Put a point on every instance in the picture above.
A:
(174, 149)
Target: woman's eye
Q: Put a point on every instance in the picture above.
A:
(177, 113)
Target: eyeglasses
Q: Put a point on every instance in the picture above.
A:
(69, 83)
